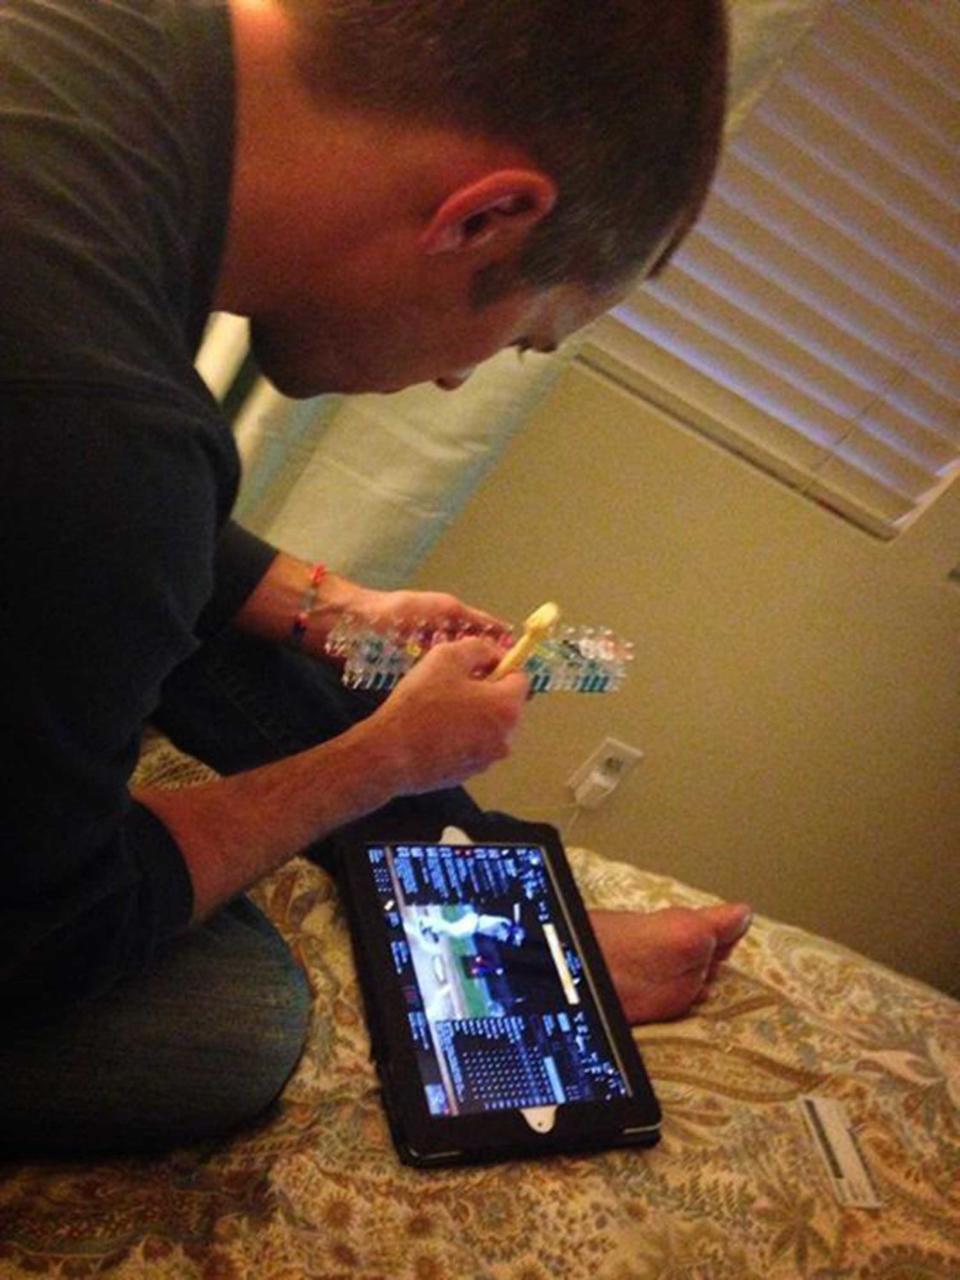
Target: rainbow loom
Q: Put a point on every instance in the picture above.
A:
(569, 658)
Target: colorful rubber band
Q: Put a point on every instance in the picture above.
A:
(307, 605)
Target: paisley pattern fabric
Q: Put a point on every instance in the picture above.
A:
(735, 1190)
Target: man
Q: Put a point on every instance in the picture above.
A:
(392, 190)
(471, 923)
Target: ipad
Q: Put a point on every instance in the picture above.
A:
(494, 1023)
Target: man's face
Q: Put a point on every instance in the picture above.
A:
(382, 341)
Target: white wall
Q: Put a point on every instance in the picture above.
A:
(796, 687)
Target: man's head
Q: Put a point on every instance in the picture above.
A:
(621, 102)
(420, 183)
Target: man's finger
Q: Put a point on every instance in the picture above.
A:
(472, 652)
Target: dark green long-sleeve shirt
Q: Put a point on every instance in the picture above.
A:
(117, 470)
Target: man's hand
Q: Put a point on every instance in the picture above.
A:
(444, 722)
(407, 609)
(272, 607)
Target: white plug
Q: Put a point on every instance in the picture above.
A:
(599, 776)
(594, 789)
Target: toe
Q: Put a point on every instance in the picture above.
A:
(729, 922)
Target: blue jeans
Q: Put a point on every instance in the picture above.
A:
(204, 1042)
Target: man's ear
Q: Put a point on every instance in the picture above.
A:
(504, 204)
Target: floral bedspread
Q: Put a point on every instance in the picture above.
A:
(735, 1190)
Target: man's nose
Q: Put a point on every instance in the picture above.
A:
(452, 381)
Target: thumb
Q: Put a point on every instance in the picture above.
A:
(475, 655)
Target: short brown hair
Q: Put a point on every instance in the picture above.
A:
(621, 102)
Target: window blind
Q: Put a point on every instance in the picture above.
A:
(809, 323)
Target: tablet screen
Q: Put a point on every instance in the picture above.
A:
(498, 1001)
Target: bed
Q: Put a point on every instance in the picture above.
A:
(736, 1189)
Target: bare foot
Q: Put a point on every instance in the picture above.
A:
(662, 962)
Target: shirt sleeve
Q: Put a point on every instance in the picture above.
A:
(108, 543)
(241, 561)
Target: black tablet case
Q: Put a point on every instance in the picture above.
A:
(426, 1141)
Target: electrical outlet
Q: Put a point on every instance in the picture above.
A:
(601, 773)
